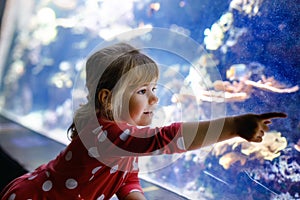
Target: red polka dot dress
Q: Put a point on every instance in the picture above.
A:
(101, 162)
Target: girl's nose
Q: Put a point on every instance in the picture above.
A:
(153, 99)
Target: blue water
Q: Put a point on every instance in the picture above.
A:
(265, 32)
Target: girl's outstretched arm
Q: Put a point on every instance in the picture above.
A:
(249, 126)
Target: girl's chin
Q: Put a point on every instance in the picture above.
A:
(146, 121)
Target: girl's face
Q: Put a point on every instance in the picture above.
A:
(142, 103)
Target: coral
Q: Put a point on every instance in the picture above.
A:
(231, 158)
(287, 168)
(268, 86)
(282, 196)
(242, 90)
(215, 35)
(268, 149)
(281, 174)
(297, 146)
(247, 7)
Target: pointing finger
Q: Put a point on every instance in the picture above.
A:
(265, 127)
(271, 115)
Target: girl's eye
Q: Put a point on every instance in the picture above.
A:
(142, 91)
(154, 89)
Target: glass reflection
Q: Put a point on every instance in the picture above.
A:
(254, 45)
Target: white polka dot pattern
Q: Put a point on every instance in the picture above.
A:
(91, 178)
(93, 152)
(125, 173)
(156, 152)
(124, 136)
(102, 136)
(97, 130)
(71, 183)
(44, 177)
(180, 143)
(114, 169)
(47, 185)
(101, 197)
(135, 164)
(68, 156)
(12, 196)
(32, 177)
(96, 169)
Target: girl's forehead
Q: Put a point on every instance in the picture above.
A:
(153, 82)
(144, 84)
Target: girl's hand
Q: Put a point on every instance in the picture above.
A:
(253, 126)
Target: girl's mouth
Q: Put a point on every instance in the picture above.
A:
(148, 113)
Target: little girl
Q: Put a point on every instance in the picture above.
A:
(111, 131)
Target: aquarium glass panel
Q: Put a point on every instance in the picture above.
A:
(217, 58)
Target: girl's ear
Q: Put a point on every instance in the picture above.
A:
(104, 97)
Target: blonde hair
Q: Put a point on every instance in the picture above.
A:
(115, 68)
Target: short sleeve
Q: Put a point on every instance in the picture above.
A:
(132, 184)
(122, 140)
